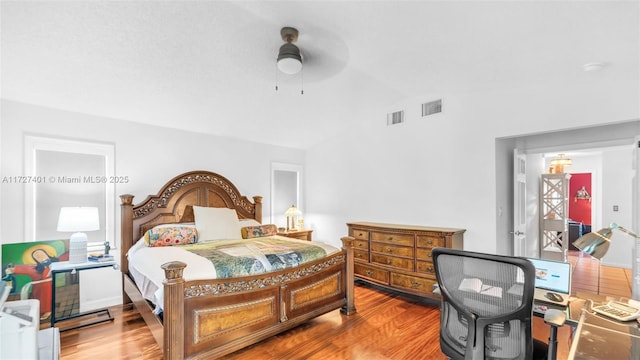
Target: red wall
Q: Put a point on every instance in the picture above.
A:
(580, 210)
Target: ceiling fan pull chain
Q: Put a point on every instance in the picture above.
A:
(276, 67)
(302, 82)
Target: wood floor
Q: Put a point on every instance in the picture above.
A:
(386, 326)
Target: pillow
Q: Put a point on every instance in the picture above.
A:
(216, 223)
(249, 222)
(171, 235)
(249, 232)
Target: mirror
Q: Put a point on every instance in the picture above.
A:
(286, 182)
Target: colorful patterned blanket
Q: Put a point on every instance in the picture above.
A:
(234, 258)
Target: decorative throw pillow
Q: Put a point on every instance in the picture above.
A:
(216, 223)
(171, 236)
(249, 232)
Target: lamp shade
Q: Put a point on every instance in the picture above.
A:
(78, 219)
(289, 59)
(293, 211)
(291, 214)
(595, 244)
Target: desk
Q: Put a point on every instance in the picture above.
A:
(573, 310)
(64, 267)
(598, 337)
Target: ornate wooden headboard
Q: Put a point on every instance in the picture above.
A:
(174, 202)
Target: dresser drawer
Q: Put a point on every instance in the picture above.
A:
(425, 268)
(371, 273)
(361, 255)
(394, 250)
(424, 254)
(406, 264)
(429, 241)
(361, 245)
(360, 234)
(412, 283)
(392, 238)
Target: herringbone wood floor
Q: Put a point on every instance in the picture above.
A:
(387, 326)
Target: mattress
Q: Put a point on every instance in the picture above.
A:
(145, 265)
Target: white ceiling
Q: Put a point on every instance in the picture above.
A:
(209, 66)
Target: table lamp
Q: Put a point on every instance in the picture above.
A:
(291, 214)
(77, 220)
(596, 244)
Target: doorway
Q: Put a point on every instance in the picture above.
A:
(584, 140)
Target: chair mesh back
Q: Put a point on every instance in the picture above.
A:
(486, 305)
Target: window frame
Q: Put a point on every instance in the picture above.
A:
(33, 143)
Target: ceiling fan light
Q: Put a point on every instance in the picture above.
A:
(289, 59)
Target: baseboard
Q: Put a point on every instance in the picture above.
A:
(99, 304)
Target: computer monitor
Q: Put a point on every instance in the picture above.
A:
(553, 275)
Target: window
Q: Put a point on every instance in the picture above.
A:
(68, 173)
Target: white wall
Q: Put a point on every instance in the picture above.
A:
(149, 155)
(441, 170)
(617, 175)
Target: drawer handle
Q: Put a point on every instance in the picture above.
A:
(369, 272)
(430, 268)
(360, 234)
(360, 245)
(390, 250)
(430, 242)
(416, 284)
(388, 261)
(429, 255)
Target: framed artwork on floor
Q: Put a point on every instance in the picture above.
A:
(25, 266)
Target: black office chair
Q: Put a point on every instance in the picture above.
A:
(486, 308)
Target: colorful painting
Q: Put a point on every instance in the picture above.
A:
(26, 267)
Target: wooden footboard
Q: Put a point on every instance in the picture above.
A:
(204, 319)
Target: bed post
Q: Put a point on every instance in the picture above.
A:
(126, 237)
(173, 310)
(347, 245)
(257, 200)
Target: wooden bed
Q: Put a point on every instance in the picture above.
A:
(204, 319)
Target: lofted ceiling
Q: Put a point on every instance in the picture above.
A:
(209, 66)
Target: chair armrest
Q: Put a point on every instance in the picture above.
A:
(555, 317)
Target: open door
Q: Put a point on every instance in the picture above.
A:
(519, 203)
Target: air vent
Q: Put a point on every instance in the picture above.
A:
(432, 107)
(395, 118)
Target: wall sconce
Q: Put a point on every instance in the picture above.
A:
(582, 194)
(291, 214)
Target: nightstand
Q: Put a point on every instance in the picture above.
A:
(102, 315)
(302, 234)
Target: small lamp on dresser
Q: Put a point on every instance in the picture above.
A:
(291, 214)
(77, 220)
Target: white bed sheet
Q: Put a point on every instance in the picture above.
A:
(145, 262)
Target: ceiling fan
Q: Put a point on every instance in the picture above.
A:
(289, 57)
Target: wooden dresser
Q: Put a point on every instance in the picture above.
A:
(398, 257)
